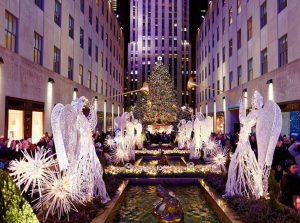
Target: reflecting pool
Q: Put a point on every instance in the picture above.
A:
(139, 200)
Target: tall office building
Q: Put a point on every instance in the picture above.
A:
(159, 28)
(52, 52)
(243, 46)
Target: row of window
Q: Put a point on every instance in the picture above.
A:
(281, 4)
(10, 42)
(282, 59)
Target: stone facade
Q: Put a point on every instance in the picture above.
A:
(22, 78)
(218, 34)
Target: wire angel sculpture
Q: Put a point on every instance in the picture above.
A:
(72, 132)
(247, 177)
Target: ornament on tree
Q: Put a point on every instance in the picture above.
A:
(160, 105)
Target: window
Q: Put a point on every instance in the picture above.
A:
(281, 5)
(230, 16)
(101, 90)
(89, 79)
(264, 61)
(57, 13)
(239, 39)
(239, 6)
(90, 15)
(90, 46)
(250, 69)
(283, 51)
(81, 38)
(249, 28)
(96, 83)
(102, 32)
(223, 25)
(56, 60)
(71, 27)
(97, 24)
(82, 6)
(37, 48)
(224, 83)
(80, 77)
(96, 53)
(223, 54)
(10, 32)
(39, 3)
(230, 80)
(70, 68)
(101, 59)
(230, 47)
(263, 14)
(239, 75)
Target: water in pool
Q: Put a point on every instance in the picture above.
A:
(138, 204)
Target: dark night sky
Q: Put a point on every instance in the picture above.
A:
(195, 19)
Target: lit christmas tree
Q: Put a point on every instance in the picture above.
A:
(160, 105)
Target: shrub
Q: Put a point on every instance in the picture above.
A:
(13, 207)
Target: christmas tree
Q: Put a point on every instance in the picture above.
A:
(160, 105)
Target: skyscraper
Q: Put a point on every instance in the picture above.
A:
(159, 28)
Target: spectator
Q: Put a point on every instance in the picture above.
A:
(290, 185)
(295, 151)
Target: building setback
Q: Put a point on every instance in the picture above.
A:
(159, 28)
(53, 51)
(243, 46)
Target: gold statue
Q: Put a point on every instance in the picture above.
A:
(168, 209)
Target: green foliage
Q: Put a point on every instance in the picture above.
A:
(274, 190)
(13, 207)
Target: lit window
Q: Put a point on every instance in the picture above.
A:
(80, 74)
(10, 32)
(37, 49)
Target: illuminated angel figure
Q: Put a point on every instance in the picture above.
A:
(244, 175)
(76, 153)
(247, 176)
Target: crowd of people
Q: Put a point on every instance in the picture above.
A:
(286, 160)
(286, 163)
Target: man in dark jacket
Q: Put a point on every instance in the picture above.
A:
(290, 185)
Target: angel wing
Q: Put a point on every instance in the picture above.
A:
(206, 128)
(92, 117)
(268, 128)
(58, 137)
(189, 129)
(69, 133)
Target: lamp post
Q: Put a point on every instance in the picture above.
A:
(144, 89)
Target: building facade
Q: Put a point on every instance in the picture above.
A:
(52, 52)
(158, 28)
(243, 46)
